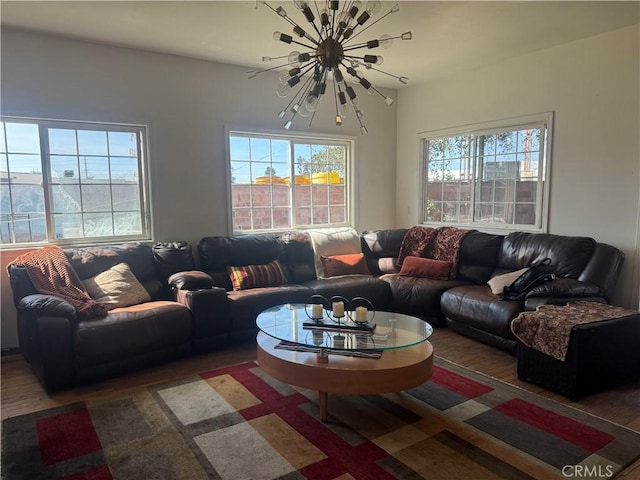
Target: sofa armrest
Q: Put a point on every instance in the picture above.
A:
(48, 305)
(45, 331)
(191, 280)
(210, 311)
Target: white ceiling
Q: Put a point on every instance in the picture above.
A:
(448, 37)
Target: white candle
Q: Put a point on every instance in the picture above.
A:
(361, 314)
(338, 309)
(316, 310)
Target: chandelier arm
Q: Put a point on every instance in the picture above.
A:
(256, 72)
(397, 77)
(303, 45)
(367, 27)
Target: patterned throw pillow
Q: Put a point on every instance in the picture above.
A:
(116, 288)
(425, 268)
(254, 276)
(348, 264)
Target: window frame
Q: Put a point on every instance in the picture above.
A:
(477, 130)
(295, 138)
(142, 139)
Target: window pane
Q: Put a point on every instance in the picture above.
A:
(25, 199)
(64, 169)
(92, 143)
(23, 138)
(68, 225)
(123, 170)
(96, 198)
(123, 144)
(62, 142)
(30, 166)
(66, 198)
(98, 224)
(126, 197)
(127, 223)
(94, 169)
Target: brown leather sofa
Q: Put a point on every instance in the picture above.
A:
(64, 350)
(196, 311)
(586, 270)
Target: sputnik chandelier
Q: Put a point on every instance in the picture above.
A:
(328, 54)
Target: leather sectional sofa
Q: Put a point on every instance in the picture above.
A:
(205, 312)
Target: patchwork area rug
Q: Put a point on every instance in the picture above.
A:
(238, 423)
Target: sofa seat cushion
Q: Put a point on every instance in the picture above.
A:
(131, 331)
(419, 296)
(477, 307)
(245, 305)
(351, 286)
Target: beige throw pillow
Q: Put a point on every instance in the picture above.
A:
(116, 287)
(498, 282)
(333, 241)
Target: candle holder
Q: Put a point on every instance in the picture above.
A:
(314, 301)
(340, 308)
(368, 307)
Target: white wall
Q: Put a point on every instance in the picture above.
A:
(186, 104)
(592, 86)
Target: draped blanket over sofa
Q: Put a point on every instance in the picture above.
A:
(442, 279)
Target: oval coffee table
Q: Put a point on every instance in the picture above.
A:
(309, 359)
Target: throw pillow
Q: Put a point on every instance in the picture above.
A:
(254, 276)
(117, 287)
(426, 268)
(498, 282)
(333, 241)
(349, 264)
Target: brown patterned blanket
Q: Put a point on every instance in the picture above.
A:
(442, 243)
(52, 274)
(548, 329)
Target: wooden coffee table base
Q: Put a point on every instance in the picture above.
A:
(398, 369)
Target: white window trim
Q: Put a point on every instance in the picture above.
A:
(486, 128)
(145, 187)
(350, 183)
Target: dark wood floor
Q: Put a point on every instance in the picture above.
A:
(21, 393)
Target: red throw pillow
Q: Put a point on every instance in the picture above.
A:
(426, 268)
(254, 276)
(349, 264)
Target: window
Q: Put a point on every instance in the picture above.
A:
(493, 175)
(282, 182)
(66, 182)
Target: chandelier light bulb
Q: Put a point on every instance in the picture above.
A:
(252, 74)
(385, 41)
(364, 130)
(282, 113)
(281, 11)
(301, 4)
(324, 17)
(311, 102)
(283, 90)
(287, 125)
(373, 7)
(338, 120)
(404, 80)
(266, 59)
(406, 36)
(388, 100)
(294, 59)
(395, 8)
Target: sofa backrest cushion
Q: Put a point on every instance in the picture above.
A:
(569, 255)
(217, 253)
(380, 248)
(300, 259)
(91, 261)
(478, 256)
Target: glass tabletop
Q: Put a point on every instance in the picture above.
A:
(291, 322)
